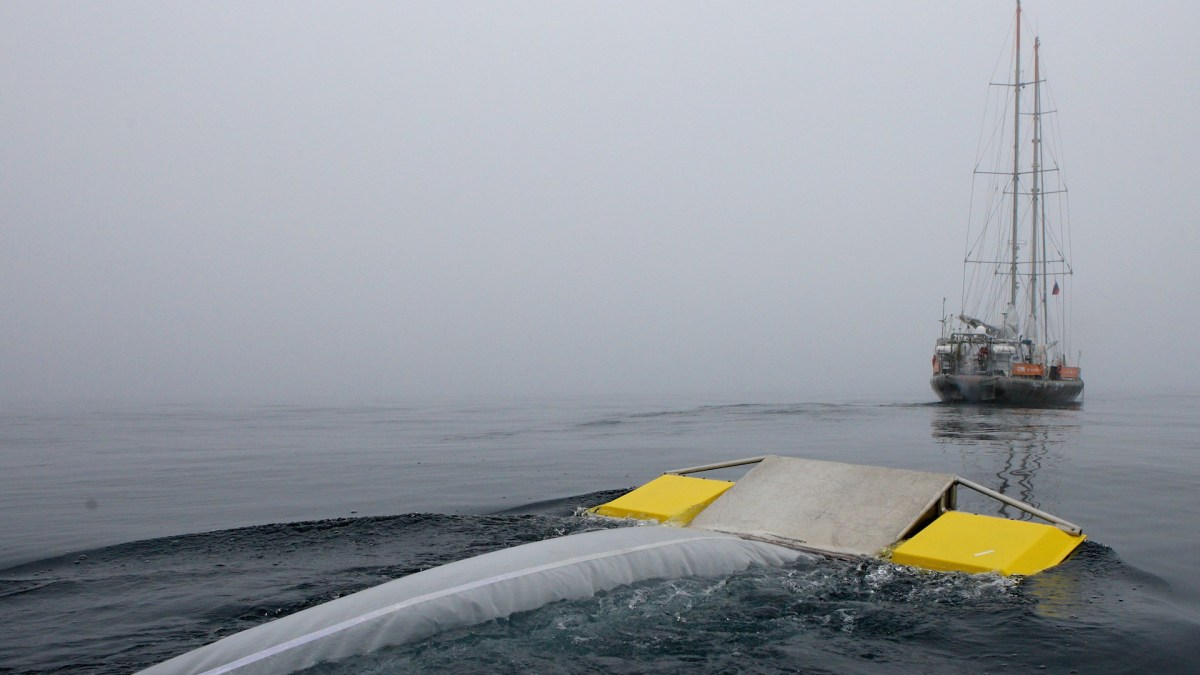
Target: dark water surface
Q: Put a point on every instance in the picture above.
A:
(134, 533)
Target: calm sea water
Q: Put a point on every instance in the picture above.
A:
(131, 533)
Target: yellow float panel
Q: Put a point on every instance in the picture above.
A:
(667, 499)
(967, 542)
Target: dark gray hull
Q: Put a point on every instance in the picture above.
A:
(1000, 390)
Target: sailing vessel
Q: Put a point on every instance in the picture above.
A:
(1016, 269)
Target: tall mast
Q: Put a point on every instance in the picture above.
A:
(1037, 118)
(1034, 298)
(1012, 303)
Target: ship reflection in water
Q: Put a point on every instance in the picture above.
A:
(1008, 449)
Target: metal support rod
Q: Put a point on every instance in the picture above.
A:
(718, 465)
(1066, 526)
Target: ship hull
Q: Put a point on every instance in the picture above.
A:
(1001, 390)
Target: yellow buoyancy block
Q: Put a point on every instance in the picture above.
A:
(667, 499)
(968, 542)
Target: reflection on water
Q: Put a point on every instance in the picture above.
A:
(1006, 448)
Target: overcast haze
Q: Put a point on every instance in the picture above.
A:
(280, 200)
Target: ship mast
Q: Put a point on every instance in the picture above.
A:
(1016, 172)
(1039, 186)
(1034, 298)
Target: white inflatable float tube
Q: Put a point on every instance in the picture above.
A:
(471, 591)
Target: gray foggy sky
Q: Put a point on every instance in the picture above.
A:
(281, 199)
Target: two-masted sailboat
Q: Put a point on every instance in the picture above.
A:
(1016, 269)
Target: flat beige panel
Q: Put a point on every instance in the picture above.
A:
(833, 507)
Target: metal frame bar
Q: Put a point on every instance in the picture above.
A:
(946, 502)
(718, 465)
(1064, 525)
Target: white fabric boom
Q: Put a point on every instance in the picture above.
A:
(475, 590)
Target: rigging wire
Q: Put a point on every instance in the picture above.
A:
(986, 278)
